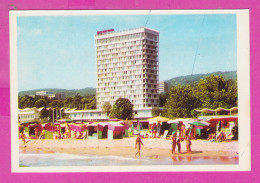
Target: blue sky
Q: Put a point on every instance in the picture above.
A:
(59, 51)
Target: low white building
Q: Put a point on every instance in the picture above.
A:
(45, 94)
(99, 115)
(29, 114)
(87, 115)
(143, 113)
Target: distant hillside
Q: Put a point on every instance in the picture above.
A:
(182, 80)
(194, 79)
(69, 93)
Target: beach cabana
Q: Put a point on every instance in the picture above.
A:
(223, 123)
(77, 130)
(102, 128)
(115, 130)
(29, 128)
(93, 130)
(126, 128)
(49, 131)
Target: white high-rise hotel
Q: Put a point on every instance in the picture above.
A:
(127, 66)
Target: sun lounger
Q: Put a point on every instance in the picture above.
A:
(165, 134)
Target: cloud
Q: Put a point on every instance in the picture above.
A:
(36, 31)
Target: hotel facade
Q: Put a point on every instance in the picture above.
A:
(128, 67)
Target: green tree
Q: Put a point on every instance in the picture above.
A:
(77, 101)
(45, 115)
(68, 102)
(162, 99)
(92, 102)
(180, 102)
(25, 102)
(214, 92)
(156, 111)
(107, 107)
(122, 109)
(40, 103)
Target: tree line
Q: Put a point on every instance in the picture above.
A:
(53, 106)
(211, 92)
(182, 100)
(78, 101)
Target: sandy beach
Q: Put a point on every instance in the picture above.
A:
(153, 148)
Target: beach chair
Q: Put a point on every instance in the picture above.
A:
(165, 134)
(229, 136)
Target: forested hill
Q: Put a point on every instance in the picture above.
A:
(182, 80)
(194, 79)
(69, 93)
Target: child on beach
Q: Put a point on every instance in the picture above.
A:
(138, 143)
(42, 134)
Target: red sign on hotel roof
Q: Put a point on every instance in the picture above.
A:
(104, 31)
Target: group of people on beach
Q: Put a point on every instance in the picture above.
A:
(177, 137)
(156, 129)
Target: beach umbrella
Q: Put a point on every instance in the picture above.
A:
(177, 120)
(158, 119)
(199, 123)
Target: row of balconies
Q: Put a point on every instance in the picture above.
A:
(111, 73)
(115, 45)
(117, 79)
(128, 93)
(134, 50)
(136, 64)
(126, 49)
(129, 56)
(132, 63)
(127, 81)
(120, 45)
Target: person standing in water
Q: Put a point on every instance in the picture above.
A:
(138, 144)
(188, 142)
(174, 142)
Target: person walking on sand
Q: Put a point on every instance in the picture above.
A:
(174, 142)
(138, 144)
(23, 137)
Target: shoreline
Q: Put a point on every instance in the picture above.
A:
(153, 148)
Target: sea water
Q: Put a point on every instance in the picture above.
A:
(63, 159)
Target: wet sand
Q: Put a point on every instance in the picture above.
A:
(153, 148)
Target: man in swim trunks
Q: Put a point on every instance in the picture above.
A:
(138, 143)
(174, 142)
(188, 142)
